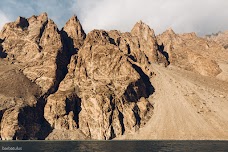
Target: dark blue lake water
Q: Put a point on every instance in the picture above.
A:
(115, 146)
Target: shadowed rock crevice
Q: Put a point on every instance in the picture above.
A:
(146, 81)
(133, 58)
(68, 44)
(113, 135)
(136, 111)
(2, 53)
(73, 104)
(62, 61)
(166, 54)
(112, 41)
(22, 22)
(42, 29)
(33, 122)
(121, 119)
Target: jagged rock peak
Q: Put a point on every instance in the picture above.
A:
(42, 17)
(142, 29)
(74, 22)
(74, 30)
(189, 35)
(168, 34)
(170, 31)
(74, 18)
(98, 37)
(44, 14)
(148, 43)
(220, 37)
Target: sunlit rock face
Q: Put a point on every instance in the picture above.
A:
(103, 94)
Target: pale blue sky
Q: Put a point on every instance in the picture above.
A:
(200, 16)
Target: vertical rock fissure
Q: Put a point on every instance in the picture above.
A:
(62, 62)
(74, 104)
(161, 49)
(77, 111)
(121, 119)
(113, 135)
(146, 80)
(43, 29)
(112, 103)
(33, 121)
(2, 53)
(68, 44)
(136, 112)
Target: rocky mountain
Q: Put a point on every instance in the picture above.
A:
(191, 52)
(64, 84)
(220, 37)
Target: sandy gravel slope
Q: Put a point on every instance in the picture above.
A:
(186, 106)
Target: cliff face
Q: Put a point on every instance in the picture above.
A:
(96, 86)
(35, 44)
(105, 93)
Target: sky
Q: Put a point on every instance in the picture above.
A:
(183, 16)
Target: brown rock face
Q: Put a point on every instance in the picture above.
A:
(69, 85)
(35, 43)
(221, 38)
(16, 93)
(140, 46)
(190, 52)
(148, 42)
(35, 60)
(74, 32)
(103, 94)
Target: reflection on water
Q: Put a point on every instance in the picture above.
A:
(117, 146)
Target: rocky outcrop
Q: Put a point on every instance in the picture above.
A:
(220, 37)
(140, 45)
(73, 33)
(41, 53)
(183, 51)
(148, 43)
(103, 94)
(16, 93)
(33, 54)
(35, 44)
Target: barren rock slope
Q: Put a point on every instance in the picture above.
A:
(187, 106)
